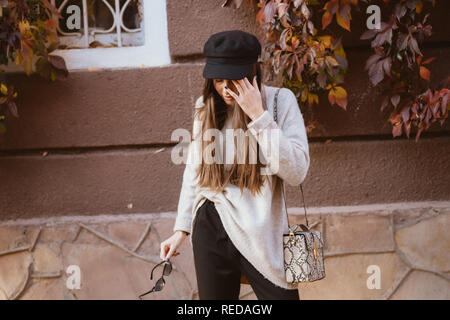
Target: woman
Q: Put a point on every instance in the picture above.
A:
(234, 212)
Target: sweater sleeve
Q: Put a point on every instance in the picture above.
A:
(286, 153)
(189, 183)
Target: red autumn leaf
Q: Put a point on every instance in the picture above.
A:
(51, 23)
(13, 108)
(369, 34)
(385, 103)
(414, 47)
(395, 100)
(429, 60)
(402, 41)
(419, 7)
(382, 37)
(57, 62)
(332, 6)
(387, 63)
(405, 113)
(338, 95)
(419, 59)
(269, 11)
(396, 131)
(425, 73)
(376, 72)
(344, 11)
(331, 61)
(343, 22)
(407, 127)
(326, 19)
(372, 59)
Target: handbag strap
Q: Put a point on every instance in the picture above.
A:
(282, 189)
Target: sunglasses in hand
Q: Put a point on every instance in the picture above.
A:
(160, 283)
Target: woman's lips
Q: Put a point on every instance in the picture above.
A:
(228, 97)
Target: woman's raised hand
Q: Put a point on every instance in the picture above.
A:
(249, 98)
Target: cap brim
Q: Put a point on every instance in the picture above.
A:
(226, 71)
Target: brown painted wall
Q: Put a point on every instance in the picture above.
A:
(102, 131)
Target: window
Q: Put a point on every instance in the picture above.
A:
(112, 33)
(104, 23)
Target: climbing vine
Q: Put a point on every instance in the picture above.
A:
(311, 60)
(27, 38)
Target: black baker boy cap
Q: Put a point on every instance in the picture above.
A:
(230, 55)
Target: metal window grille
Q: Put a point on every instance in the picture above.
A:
(100, 23)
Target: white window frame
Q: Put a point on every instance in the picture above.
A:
(154, 52)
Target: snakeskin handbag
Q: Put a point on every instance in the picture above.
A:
(302, 250)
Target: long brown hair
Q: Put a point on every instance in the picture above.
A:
(212, 115)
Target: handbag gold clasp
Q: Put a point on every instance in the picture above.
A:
(291, 236)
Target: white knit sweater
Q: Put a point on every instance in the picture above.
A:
(255, 223)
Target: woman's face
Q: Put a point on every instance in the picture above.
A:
(219, 85)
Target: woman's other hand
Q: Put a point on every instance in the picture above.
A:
(170, 245)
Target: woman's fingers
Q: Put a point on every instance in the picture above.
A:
(169, 248)
(238, 87)
(243, 84)
(169, 254)
(231, 93)
(255, 86)
(247, 83)
(168, 251)
(255, 83)
(163, 251)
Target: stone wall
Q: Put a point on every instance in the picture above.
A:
(409, 243)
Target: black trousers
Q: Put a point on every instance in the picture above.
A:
(218, 264)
